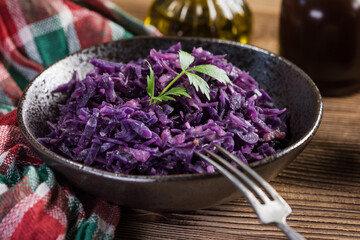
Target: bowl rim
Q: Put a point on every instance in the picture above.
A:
(175, 177)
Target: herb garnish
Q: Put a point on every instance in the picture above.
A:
(186, 60)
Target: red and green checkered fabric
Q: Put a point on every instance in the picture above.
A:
(36, 33)
(33, 34)
(33, 205)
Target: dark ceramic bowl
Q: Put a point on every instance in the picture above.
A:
(289, 86)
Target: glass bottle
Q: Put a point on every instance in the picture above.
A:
(323, 38)
(223, 19)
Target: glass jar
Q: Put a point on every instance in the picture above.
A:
(223, 19)
(323, 38)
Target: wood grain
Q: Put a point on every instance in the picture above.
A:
(322, 185)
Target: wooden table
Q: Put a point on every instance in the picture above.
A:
(322, 185)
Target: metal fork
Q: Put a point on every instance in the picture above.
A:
(272, 208)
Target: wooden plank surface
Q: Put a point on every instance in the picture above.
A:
(322, 185)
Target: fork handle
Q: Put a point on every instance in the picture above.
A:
(289, 231)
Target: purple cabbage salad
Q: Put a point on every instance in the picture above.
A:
(107, 122)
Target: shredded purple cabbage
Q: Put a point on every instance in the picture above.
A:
(107, 122)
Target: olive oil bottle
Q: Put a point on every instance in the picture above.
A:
(223, 19)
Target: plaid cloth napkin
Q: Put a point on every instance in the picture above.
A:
(33, 34)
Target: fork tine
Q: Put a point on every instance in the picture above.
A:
(241, 175)
(242, 188)
(272, 211)
(272, 192)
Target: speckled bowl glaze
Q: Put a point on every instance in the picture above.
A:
(288, 85)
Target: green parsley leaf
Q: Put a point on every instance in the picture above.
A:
(214, 72)
(199, 83)
(185, 60)
(150, 88)
(177, 91)
(163, 98)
